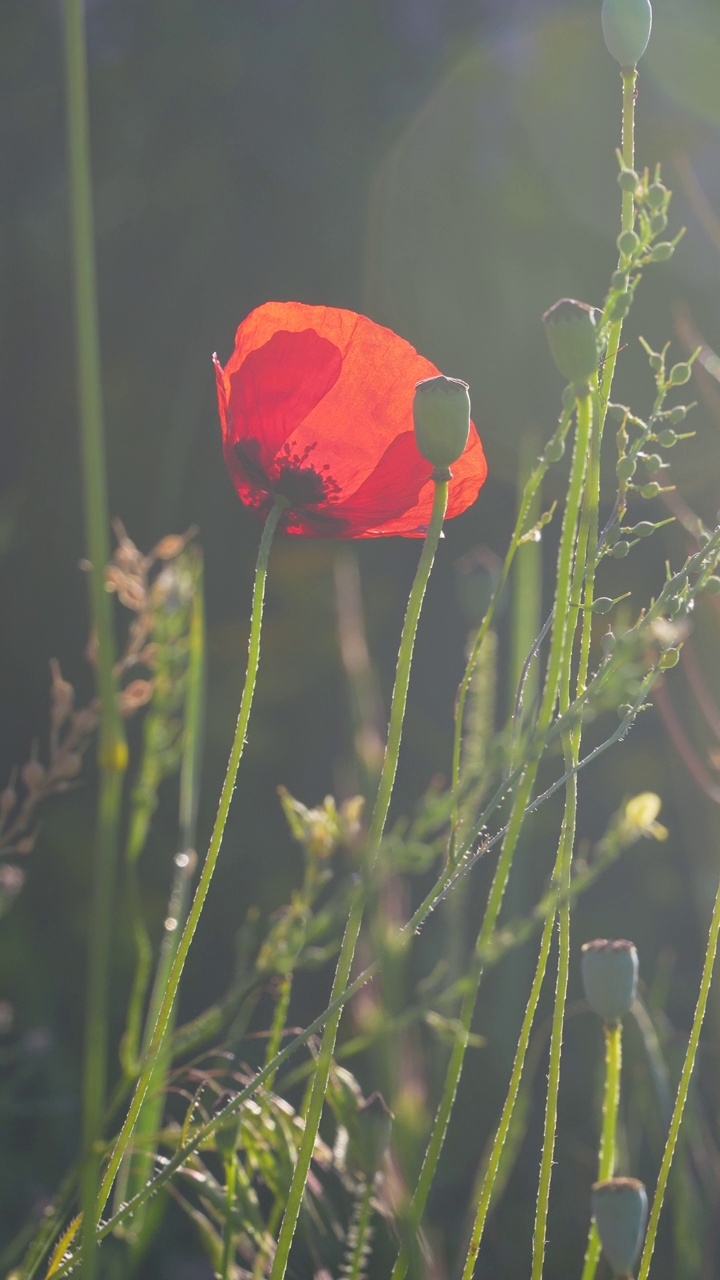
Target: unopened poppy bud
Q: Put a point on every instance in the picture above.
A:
(619, 1207)
(626, 27)
(609, 974)
(441, 411)
(573, 338)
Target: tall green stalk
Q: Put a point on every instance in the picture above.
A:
(112, 748)
(164, 1016)
(606, 1161)
(683, 1088)
(352, 929)
(561, 621)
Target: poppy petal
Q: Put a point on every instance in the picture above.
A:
(332, 427)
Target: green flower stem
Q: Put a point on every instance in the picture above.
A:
(558, 645)
(173, 981)
(629, 82)
(606, 1161)
(226, 1268)
(352, 930)
(354, 1267)
(682, 1092)
(488, 1182)
(527, 504)
(585, 557)
(112, 748)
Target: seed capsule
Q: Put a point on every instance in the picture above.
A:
(609, 974)
(626, 27)
(619, 1207)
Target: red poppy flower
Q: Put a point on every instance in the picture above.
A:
(316, 405)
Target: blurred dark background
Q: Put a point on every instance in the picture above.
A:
(447, 167)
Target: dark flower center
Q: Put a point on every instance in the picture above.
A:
(301, 488)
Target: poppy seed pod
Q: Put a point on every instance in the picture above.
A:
(626, 27)
(609, 974)
(441, 413)
(619, 1207)
(572, 335)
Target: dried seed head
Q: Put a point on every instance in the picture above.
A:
(33, 775)
(67, 765)
(135, 695)
(172, 544)
(132, 593)
(126, 555)
(62, 695)
(85, 721)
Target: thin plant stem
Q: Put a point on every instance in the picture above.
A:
(352, 929)
(353, 1268)
(228, 1233)
(137, 1167)
(527, 503)
(627, 217)
(682, 1092)
(503, 1128)
(585, 558)
(164, 1016)
(112, 747)
(606, 1160)
(562, 612)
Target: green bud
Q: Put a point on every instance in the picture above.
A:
(554, 450)
(619, 1207)
(619, 306)
(656, 195)
(618, 412)
(603, 604)
(628, 242)
(626, 27)
(613, 535)
(679, 374)
(609, 974)
(662, 252)
(625, 468)
(653, 462)
(712, 586)
(668, 659)
(644, 529)
(656, 362)
(676, 416)
(628, 179)
(608, 644)
(650, 490)
(620, 550)
(572, 335)
(441, 410)
(619, 280)
(667, 438)
(658, 223)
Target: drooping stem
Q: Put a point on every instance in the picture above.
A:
(112, 748)
(606, 1160)
(352, 929)
(175, 973)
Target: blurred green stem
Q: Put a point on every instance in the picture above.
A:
(165, 1011)
(352, 929)
(112, 748)
(682, 1092)
(606, 1161)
